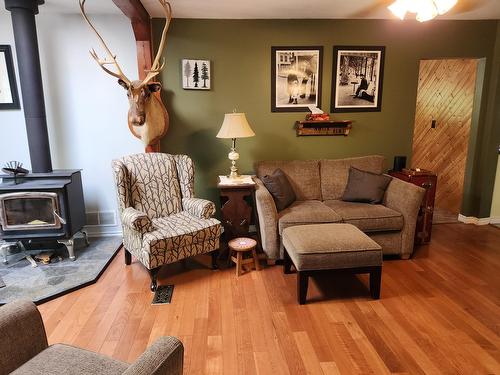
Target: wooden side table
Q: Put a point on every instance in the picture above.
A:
(237, 211)
(428, 181)
(236, 208)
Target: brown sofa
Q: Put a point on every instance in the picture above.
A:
(319, 185)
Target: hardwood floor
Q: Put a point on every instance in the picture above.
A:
(438, 313)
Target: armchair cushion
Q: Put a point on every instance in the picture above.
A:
(68, 360)
(137, 220)
(200, 208)
(177, 237)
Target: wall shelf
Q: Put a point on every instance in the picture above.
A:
(330, 127)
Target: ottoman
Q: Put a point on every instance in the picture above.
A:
(320, 248)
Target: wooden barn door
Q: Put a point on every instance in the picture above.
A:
(442, 124)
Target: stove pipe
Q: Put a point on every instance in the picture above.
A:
(28, 59)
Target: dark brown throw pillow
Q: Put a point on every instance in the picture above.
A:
(280, 188)
(365, 186)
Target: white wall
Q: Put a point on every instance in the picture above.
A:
(86, 108)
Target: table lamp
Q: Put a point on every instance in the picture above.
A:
(235, 125)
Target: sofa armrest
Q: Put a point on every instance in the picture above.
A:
(201, 208)
(164, 357)
(268, 220)
(22, 334)
(405, 198)
(136, 220)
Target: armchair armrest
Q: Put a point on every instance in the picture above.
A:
(164, 357)
(405, 198)
(22, 334)
(136, 220)
(201, 208)
(268, 220)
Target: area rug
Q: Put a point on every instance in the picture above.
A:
(46, 282)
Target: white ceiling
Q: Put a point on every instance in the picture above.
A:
(299, 9)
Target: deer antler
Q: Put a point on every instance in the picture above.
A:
(156, 67)
(102, 62)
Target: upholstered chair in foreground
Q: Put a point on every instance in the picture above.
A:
(162, 221)
(24, 350)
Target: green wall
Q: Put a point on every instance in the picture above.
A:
(240, 52)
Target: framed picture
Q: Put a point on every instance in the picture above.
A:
(357, 78)
(9, 98)
(296, 78)
(196, 74)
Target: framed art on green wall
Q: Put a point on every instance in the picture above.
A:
(357, 78)
(295, 78)
(196, 74)
(9, 98)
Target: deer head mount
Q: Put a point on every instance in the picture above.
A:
(147, 117)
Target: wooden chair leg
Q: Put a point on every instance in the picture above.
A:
(154, 278)
(239, 259)
(255, 259)
(302, 283)
(375, 282)
(128, 257)
(215, 255)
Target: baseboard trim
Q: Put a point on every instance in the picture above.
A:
(103, 230)
(478, 221)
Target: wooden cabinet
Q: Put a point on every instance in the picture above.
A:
(428, 181)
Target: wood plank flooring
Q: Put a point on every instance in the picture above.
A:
(438, 313)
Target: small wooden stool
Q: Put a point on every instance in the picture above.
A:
(242, 245)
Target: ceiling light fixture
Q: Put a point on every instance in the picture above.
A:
(424, 9)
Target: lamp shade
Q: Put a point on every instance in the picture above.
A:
(235, 125)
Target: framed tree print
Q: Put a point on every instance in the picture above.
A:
(357, 78)
(295, 78)
(9, 98)
(196, 74)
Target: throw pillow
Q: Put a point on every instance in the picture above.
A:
(280, 188)
(365, 186)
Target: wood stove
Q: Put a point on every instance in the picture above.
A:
(41, 206)
(45, 204)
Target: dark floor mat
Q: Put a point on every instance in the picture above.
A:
(163, 295)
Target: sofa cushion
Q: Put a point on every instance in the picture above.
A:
(334, 173)
(68, 360)
(280, 188)
(365, 186)
(306, 212)
(367, 217)
(302, 174)
(330, 246)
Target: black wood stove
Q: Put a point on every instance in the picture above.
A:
(45, 204)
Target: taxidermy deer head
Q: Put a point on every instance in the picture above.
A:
(147, 117)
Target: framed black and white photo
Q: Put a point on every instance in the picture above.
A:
(9, 98)
(196, 74)
(357, 78)
(295, 78)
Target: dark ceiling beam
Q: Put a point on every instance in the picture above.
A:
(141, 25)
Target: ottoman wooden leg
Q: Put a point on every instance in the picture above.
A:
(375, 281)
(128, 257)
(287, 262)
(302, 281)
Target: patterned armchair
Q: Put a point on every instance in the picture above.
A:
(162, 221)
